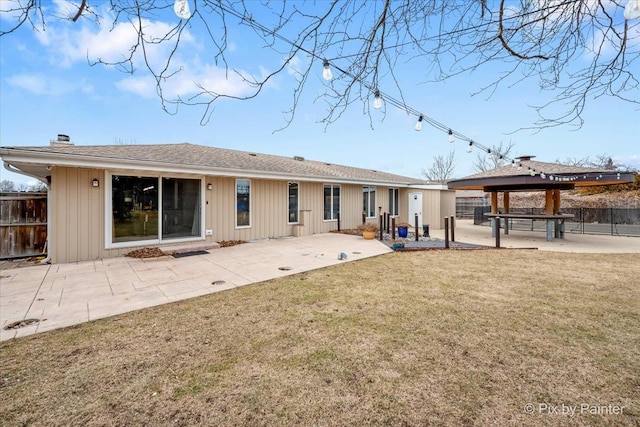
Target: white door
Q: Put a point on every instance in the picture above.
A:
(415, 207)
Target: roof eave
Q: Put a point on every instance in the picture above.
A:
(17, 157)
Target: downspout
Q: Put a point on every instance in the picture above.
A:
(10, 167)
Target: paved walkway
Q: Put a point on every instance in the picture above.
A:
(466, 232)
(69, 294)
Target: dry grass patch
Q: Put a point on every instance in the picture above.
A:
(419, 338)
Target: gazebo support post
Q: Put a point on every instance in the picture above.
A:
(506, 210)
(494, 202)
(549, 205)
(559, 226)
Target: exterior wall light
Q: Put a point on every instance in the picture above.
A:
(209, 187)
(95, 182)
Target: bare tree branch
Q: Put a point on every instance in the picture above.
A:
(441, 169)
(575, 50)
(494, 158)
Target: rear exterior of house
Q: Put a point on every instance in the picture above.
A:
(105, 201)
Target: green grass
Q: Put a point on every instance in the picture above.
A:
(418, 338)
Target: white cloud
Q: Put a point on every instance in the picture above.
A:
(41, 84)
(142, 86)
(70, 43)
(45, 84)
(183, 84)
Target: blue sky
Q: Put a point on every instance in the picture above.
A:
(47, 87)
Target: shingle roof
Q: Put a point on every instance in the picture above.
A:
(556, 176)
(213, 158)
(547, 168)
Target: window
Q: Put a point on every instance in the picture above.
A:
(243, 203)
(393, 202)
(331, 201)
(134, 208)
(154, 209)
(293, 202)
(369, 201)
(180, 208)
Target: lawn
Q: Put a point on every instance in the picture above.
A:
(500, 337)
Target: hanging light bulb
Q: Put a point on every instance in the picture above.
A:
(419, 123)
(513, 163)
(326, 72)
(519, 166)
(181, 9)
(470, 147)
(452, 138)
(550, 177)
(532, 172)
(632, 9)
(488, 152)
(377, 100)
(543, 175)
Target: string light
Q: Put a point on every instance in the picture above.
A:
(377, 100)
(181, 7)
(326, 71)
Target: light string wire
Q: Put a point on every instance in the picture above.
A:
(515, 162)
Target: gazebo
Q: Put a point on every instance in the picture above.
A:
(524, 174)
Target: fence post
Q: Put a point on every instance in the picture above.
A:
(338, 218)
(497, 220)
(453, 228)
(446, 232)
(582, 220)
(381, 229)
(611, 218)
(393, 228)
(416, 227)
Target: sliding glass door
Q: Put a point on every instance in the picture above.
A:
(154, 209)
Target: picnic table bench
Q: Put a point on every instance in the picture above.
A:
(554, 226)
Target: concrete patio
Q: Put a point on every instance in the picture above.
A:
(63, 295)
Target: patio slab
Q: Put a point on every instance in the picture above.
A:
(64, 295)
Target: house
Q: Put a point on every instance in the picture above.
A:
(106, 200)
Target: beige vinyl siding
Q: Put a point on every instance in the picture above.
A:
(77, 215)
(436, 205)
(447, 203)
(268, 209)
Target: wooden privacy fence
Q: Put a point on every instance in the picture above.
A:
(23, 224)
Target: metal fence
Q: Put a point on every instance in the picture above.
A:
(611, 221)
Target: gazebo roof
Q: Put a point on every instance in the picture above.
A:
(546, 176)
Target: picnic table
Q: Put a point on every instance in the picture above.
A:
(554, 226)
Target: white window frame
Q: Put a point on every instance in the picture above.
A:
(297, 202)
(235, 204)
(367, 189)
(108, 211)
(332, 186)
(392, 203)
